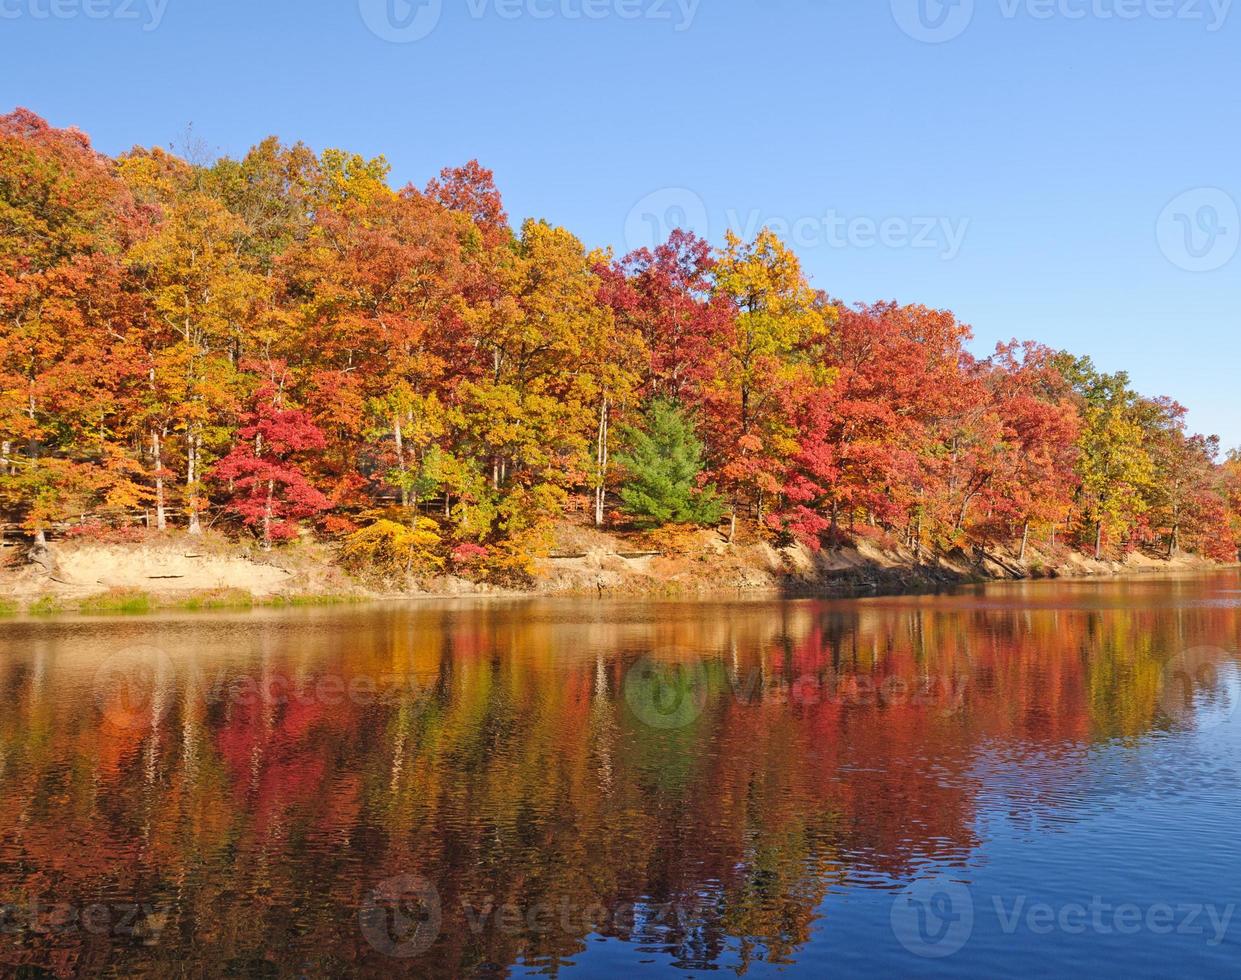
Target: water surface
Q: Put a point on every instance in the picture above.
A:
(1028, 779)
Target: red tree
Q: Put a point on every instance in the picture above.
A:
(267, 490)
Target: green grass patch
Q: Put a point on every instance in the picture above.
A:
(8, 608)
(327, 599)
(118, 602)
(45, 605)
(221, 599)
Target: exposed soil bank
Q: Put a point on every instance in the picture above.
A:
(588, 562)
(176, 571)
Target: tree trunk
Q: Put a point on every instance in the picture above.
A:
(601, 458)
(732, 525)
(399, 437)
(267, 515)
(1098, 541)
(1025, 541)
(157, 453)
(193, 444)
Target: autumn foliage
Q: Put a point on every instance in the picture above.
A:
(284, 342)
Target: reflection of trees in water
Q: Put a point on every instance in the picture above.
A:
(838, 746)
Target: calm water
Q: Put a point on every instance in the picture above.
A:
(1023, 779)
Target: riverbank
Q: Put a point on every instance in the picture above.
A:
(177, 572)
(702, 564)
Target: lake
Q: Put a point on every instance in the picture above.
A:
(1032, 778)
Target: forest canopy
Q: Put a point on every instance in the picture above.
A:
(285, 344)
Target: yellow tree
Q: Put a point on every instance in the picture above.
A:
(203, 301)
(527, 413)
(774, 349)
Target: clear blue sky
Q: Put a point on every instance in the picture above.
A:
(1054, 143)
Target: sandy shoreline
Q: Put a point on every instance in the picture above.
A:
(181, 573)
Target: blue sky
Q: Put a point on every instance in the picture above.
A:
(1063, 170)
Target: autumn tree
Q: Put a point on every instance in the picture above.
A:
(777, 326)
(1115, 466)
(265, 484)
(66, 346)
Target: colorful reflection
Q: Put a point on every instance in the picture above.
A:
(459, 790)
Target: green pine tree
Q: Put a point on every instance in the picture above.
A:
(664, 462)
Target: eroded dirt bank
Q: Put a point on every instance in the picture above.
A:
(179, 571)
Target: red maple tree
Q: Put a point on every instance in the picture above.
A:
(267, 490)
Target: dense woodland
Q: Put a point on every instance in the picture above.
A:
(284, 344)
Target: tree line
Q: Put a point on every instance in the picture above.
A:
(285, 342)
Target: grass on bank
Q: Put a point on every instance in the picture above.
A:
(126, 602)
(132, 602)
(45, 605)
